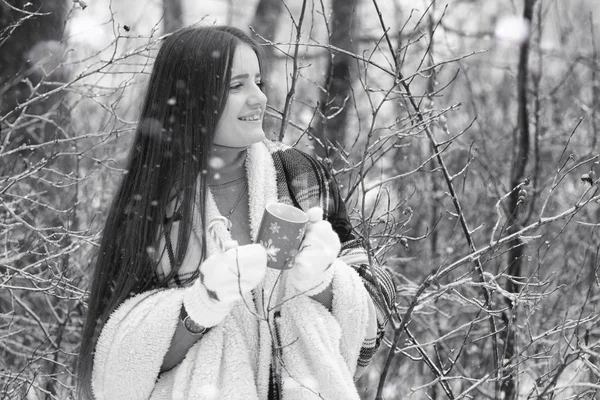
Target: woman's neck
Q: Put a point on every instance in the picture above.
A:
(226, 164)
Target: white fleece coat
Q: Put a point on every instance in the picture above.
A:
(320, 348)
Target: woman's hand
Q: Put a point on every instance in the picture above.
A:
(319, 249)
(229, 275)
(224, 279)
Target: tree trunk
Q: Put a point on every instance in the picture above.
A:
(29, 54)
(595, 90)
(336, 99)
(31, 59)
(172, 15)
(435, 185)
(264, 26)
(516, 251)
(266, 22)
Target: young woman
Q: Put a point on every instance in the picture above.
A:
(173, 315)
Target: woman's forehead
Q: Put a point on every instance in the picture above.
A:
(245, 61)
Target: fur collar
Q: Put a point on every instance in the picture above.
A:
(262, 189)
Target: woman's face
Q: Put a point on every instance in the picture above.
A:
(240, 124)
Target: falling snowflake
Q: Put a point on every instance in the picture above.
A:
(271, 250)
(274, 228)
(216, 162)
(512, 29)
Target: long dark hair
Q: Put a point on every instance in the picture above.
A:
(185, 98)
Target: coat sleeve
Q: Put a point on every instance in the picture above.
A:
(133, 343)
(311, 184)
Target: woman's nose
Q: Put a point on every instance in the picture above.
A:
(257, 97)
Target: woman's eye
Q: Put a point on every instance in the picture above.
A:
(260, 84)
(235, 86)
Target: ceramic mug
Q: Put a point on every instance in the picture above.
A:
(281, 232)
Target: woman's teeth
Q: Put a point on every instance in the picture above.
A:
(251, 118)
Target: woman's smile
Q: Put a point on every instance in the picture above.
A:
(252, 118)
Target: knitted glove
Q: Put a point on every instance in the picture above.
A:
(320, 247)
(224, 279)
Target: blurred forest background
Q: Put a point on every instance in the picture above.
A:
(464, 134)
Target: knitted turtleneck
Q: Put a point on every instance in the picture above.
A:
(228, 185)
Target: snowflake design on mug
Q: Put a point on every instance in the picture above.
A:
(274, 228)
(271, 249)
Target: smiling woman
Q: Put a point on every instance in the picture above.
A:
(178, 309)
(240, 124)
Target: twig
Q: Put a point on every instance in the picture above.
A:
(289, 98)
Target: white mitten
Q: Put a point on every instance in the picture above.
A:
(224, 279)
(312, 271)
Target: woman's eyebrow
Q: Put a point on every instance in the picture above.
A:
(244, 76)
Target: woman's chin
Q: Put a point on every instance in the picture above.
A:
(255, 137)
(245, 140)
